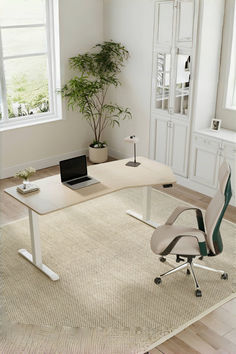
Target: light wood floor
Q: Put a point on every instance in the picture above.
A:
(215, 333)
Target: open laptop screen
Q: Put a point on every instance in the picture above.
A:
(73, 168)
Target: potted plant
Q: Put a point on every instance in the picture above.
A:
(97, 71)
(24, 175)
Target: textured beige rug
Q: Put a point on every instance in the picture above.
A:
(106, 290)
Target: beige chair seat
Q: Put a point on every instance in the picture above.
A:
(165, 234)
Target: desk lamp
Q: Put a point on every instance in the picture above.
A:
(133, 140)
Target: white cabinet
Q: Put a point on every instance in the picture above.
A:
(179, 147)
(164, 12)
(186, 57)
(174, 21)
(173, 58)
(162, 141)
(207, 155)
(172, 144)
(185, 22)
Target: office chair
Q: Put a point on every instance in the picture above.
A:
(189, 242)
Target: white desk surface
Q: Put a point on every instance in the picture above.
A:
(113, 176)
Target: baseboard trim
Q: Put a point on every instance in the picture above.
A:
(198, 187)
(39, 164)
(117, 154)
(53, 160)
(186, 182)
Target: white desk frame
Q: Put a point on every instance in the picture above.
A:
(36, 257)
(146, 216)
(113, 176)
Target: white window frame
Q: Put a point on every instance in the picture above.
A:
(54, 82)
(226, 87)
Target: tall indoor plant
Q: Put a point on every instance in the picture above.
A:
(96, 72)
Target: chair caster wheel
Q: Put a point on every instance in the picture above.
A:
(157, 280)
(198, 293)
(162, 259)
(224, 276)
(188, 272)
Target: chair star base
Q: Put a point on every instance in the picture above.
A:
(190, 270)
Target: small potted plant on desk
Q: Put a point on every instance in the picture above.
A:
(26, 187)
(87, 92)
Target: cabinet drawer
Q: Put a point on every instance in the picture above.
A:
(206, 142)
(229, 149)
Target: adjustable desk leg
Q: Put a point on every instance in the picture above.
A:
(36, 257)
(145, 216)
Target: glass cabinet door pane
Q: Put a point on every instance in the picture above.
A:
(182, 84)
(162, 81)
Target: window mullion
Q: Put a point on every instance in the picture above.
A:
(50, 45)
(33, 25)
(3, 88)
(24, 55)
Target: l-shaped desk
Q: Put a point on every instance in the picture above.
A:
(113, 176)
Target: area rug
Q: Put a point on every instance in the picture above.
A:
(105, 301)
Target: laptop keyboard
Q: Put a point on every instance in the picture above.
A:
(79, 180)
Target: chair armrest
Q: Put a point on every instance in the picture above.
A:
(180, 209)
(201, 243)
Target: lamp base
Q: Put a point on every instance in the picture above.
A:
(132, 164)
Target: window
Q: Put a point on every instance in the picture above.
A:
(226, 100)
(29, 67)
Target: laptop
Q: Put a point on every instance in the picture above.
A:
(74, 173)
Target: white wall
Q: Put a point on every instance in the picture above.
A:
(81, 26)
(227, 73)
(131, 23)
(208, 51)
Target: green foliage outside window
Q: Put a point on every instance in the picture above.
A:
(28, 96)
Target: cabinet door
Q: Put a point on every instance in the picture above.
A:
(185, 23)
(179, 145)
(164, 12)
(162, 141)
(206, 160)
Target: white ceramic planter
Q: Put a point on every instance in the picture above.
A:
(98, 155)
